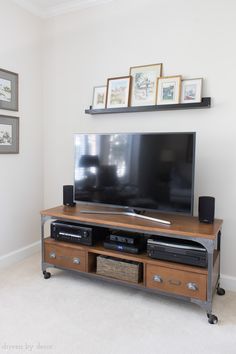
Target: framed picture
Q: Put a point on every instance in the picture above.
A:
(118, 92)
(168, 90)
(9, 135)
(8, 90)
(99, 97)
(144, 84)
(191, 90)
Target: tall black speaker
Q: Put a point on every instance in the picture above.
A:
(68, 195)
(206, 209)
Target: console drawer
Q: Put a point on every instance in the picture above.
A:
(64, 256)
(179, 282)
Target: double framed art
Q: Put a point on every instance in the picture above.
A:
(116, 94)
(174, 90)
(9, 126)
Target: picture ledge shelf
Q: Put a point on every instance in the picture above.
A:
(205, 103)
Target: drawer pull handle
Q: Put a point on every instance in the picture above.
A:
(192, 286)
(174, 282)
(52, 255)
(157, 278)
(76, 260)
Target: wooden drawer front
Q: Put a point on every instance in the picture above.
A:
(66, 257)
(176, 281)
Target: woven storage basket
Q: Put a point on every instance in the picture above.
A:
(119, 269)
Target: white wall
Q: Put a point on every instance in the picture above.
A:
(21, 181)
(80, 51)
(193, 38)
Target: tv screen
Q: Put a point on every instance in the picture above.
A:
(141, 171)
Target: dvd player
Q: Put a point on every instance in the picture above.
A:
(125, 242)
(127, 237)
(122, 247)
(179, 251)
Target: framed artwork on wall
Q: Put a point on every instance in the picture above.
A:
(118, 92)
(8, 90)
(191, 90)
(9, 135)
(144, 84)
(168, 90)
(99, 97)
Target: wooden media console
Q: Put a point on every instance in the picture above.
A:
(186, 282)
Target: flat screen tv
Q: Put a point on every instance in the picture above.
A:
(149, 171)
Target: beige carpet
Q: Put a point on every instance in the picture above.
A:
(69, 314)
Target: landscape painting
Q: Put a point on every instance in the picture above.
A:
(118, 90)
(144, 84)
(190, 92)
(8, 90)
(99, 97)
(9, 135)
(5, 90)
(168, 91)
(5, 134)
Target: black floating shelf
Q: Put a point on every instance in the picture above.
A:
(206, 103)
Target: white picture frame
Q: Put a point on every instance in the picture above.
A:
(191, 90)
(99, 97)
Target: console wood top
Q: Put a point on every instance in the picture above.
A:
(180, 225)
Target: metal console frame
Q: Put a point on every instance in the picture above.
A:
(209, 244)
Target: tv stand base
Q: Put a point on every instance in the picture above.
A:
(126, 213)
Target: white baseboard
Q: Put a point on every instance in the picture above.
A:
(228, 282)
(20, 254)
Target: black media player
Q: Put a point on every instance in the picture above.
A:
(76, 233)
(122, 247)
(176, 250)
(125, 242)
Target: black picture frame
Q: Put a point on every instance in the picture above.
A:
(9, 135)
(9, 90)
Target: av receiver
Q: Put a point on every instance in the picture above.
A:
(76, 233)
(175, 250)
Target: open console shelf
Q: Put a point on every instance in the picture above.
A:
(187, 282)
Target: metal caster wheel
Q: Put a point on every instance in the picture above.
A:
(46, 275)
(220, 291)
(212, 319)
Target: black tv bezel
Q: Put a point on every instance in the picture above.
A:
(128, 207)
